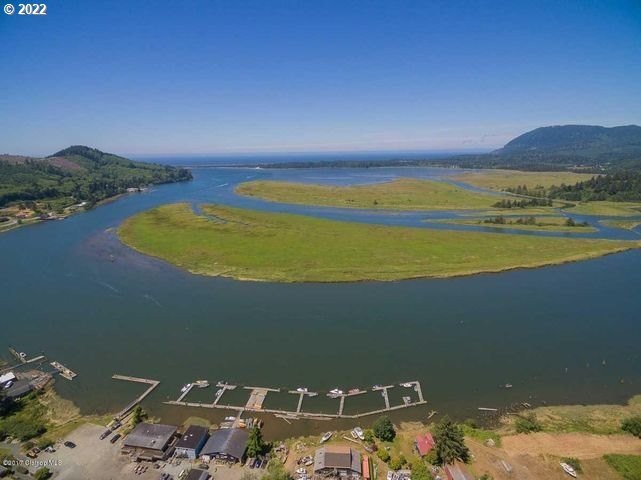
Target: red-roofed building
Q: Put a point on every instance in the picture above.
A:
(424, 443)
(366, 474)
(457, 472)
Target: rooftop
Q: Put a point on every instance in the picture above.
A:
(337, 456)
(193, 437)
(150, 436)
(227, 441)
(424, 443)
(195, 474)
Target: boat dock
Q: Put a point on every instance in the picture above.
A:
(186, 392)
(152, 385)
(301, 397)
(222, 388)
(258, 395)
(64, 371)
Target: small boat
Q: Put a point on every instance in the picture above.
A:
(185, 388)
(230, 419)
(377, 387)
(309, 462)
(326, 436)
(353, 391)
(407, 385)
(358, 431)
(302, 390)
(201, 383)
(301, 471)
(568, 469)
(507, 385)
(336, 391)
(431, 414)
(407, 400)
(219, 392)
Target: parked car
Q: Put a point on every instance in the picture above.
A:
(105, 434)
(69, 444)
(115, 438)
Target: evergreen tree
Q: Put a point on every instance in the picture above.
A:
(384, 429)
(450, 442)
(255, 443)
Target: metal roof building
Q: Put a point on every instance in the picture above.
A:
(195, 474)
(227, 444)
(192, 441)
(150, 440)
(340, 460)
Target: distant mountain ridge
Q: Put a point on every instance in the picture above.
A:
(576, 139)
(588, 148)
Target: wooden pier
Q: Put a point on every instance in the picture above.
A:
(64, 371)
(258, 394)
(152, 385)
(224, 387)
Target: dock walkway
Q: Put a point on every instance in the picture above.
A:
(152, 385)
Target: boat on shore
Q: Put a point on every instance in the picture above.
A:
(568, 469)
(326, 436)
(357, 432)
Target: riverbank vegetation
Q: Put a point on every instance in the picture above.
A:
(253, 245)
(544, 223)
(506, 180)
(401, 194)
(628, 466)
(624, 224)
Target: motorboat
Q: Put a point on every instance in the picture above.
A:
(326, 436)
(301, 471)
(185, 388)
(201, 383)
(230, 419)
(302, 390)
(568, 469)
(407, 385)
(359, 433)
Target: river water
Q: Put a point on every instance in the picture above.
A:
(562, 334)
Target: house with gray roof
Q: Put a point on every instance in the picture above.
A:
(226, 444)
(150, 441)
(338, 461)
(192, 441)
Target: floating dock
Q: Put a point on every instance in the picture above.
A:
(152, 385)
(64, 371)
(258, 395)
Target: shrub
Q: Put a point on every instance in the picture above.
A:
(42, 474)
(383, 455)
(575, 463)
(384, 429)
(420, 471)
(632, 425)
(528, 424)
(397, 462)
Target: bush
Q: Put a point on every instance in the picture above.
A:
(44, 443)
(383, 455)
(384, 429)
(575, 463)
(632, 425)
(420, 471)
(42, 474)
(431, 457)
(397, 463)
(369, 436)
(528, 424)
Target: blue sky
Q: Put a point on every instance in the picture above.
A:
(276, 76)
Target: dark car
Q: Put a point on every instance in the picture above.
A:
(69, 444)
(115, 438)
(105, 434)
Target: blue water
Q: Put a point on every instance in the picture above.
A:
(72, 290)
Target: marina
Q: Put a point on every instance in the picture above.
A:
(152, 385)
(64, 371)
(258, 395)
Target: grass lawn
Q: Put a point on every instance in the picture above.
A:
(606, 208)
(502, 179)
(401, 194)
(544, 224)
(599, 419)
(252, 245)
(628, 466)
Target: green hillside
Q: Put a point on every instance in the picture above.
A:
(77, 174)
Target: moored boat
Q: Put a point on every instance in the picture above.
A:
(326, 436)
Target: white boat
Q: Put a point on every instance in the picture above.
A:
(301, 471)
(359, 433)
(185, 388)
(219, 392)
(406, 385)
(326, 436)
(201, 383)
(301, 389)
(336, 391)
(377, 387)
(230, 419)
(568, 469)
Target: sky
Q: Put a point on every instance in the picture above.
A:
(209, 76)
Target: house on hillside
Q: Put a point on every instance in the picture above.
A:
(340, 461)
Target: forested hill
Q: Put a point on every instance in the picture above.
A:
(78, 174)
(565, 147)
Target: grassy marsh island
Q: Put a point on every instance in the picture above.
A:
(541, 224)
(607, 208)
(624, 224)
(401, 194)
(253, 245)
(504, 179)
